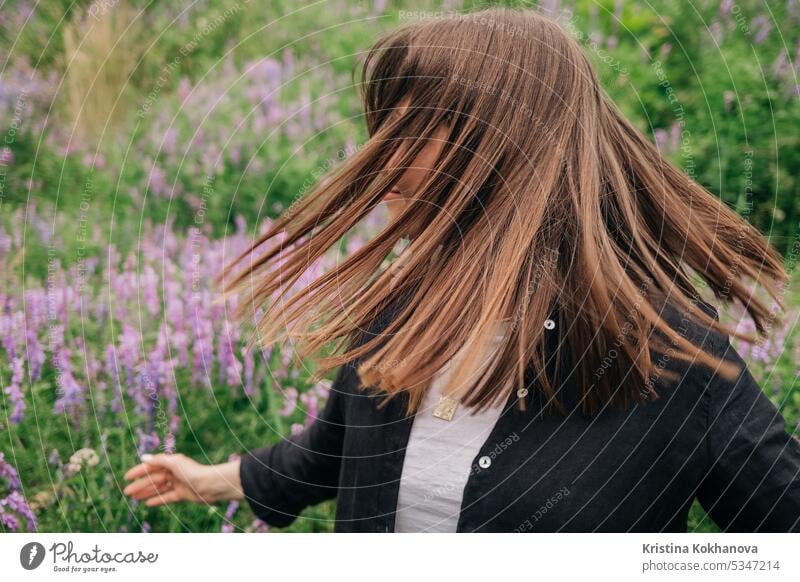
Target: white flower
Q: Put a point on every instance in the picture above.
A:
(79, 459)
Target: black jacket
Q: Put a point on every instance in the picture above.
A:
(636, 470)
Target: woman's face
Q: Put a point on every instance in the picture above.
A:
(408, 184)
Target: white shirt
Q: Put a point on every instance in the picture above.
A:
(438, 460)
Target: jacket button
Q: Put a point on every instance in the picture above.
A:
(484, 462)
(549, 324)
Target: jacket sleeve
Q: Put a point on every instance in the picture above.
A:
(281, 480)
(753, 481)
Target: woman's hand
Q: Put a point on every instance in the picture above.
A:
(169, 478)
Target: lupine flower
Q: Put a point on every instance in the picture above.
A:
(249, 367)
(16, 502)
(71, 394)
(258, 526)
(309, 399)
(14, 505)
(14, 390)
(9, 473)
(157, 183)
(35, 353)
(112, 373)
(8, 519)
(289, 402)
(761, 25)
(230, 367)
(147, 442)
(227, 526)
(148, 283)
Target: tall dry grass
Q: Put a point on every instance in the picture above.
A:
(101, 49)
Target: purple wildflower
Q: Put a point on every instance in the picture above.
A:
(16, 502)
(762, 25)
(289, 402)
(227, 526)
(14, 390)
(9, 473)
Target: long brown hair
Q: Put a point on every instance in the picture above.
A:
(543, 198)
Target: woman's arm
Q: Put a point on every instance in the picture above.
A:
(277, 481)
(753, 483)
(281, 480)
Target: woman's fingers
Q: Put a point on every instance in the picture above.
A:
(147, 477)
(150, 480)
(152, 490)
(170, 496)
(166, 477)
(143, 469)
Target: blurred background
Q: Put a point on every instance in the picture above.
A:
(145, 143)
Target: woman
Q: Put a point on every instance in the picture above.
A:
(538, 358)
